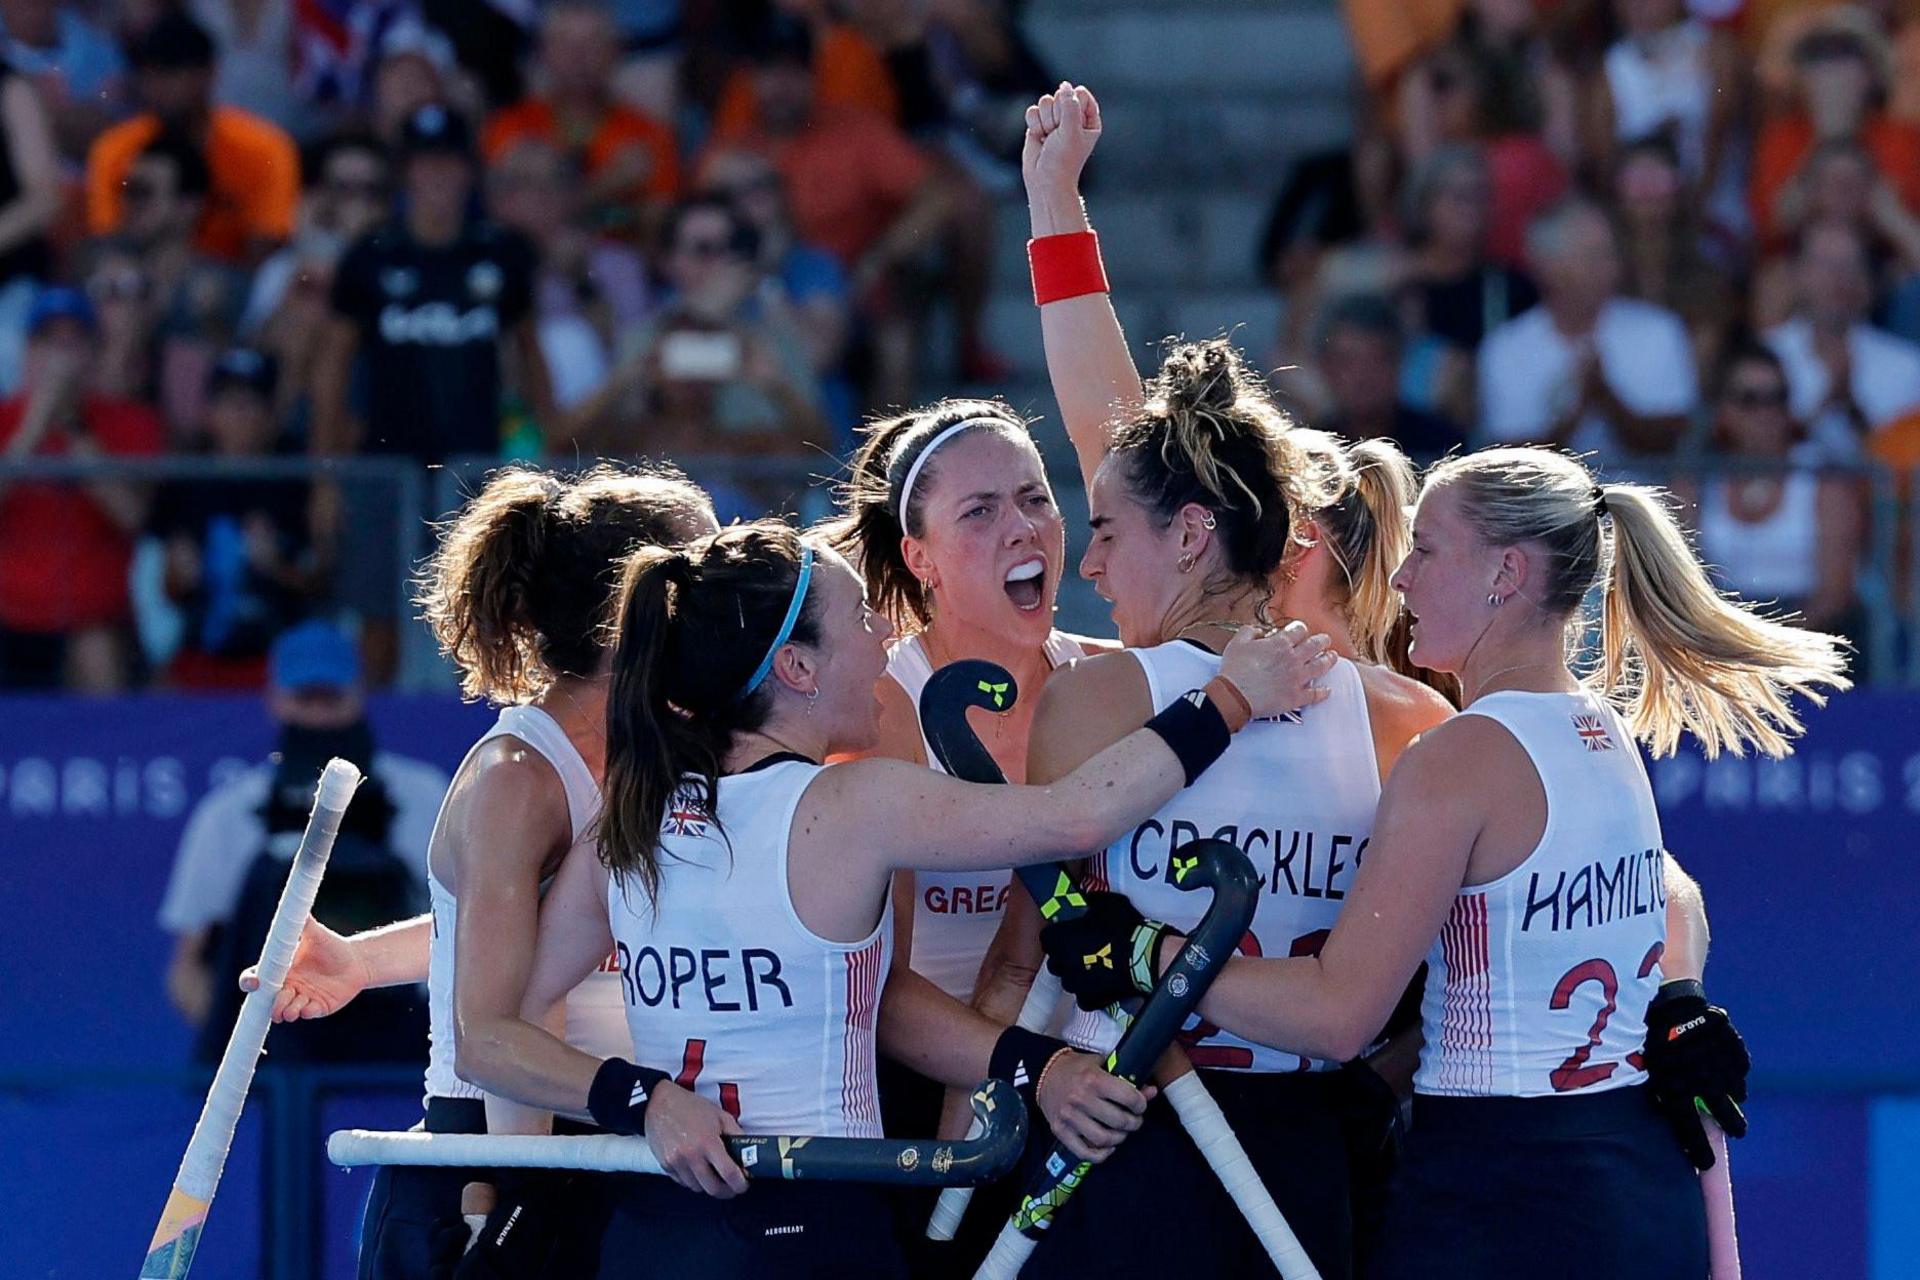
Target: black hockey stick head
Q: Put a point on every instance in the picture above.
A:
(1199, 864)
(982, 1157)
(944, 701)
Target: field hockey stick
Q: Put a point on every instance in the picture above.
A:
(171, 1252)
(1198, 864)
(1000, 1134)
(943, 707)
(1716, 1188)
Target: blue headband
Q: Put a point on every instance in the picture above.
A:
(786, 625)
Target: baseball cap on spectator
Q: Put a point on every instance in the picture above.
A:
(174, 42)
(244, 369)
(312, 656)
(58, 302)
(782, 38)
(410, 37)
(434, 128)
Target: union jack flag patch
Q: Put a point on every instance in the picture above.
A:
(686, 822)
(1592, 732)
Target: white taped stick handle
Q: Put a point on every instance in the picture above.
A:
(1207, 1125)
(206, 1153)
(598, 1152)
(1042, 998)
(1009, 1253)
(338, 781)
(1716, 1188)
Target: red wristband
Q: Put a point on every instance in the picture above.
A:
(1065, 266)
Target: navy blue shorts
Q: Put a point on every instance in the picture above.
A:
(1154, 1210)
(658, 1230)
(411, 1228)
(1590, 1185)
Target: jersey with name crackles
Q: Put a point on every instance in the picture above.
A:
(1296, 794)
(1539, 982)
(727, 990)
(430, 320)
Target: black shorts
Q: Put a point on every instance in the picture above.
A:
(1154, 1208)
(1591, 1185)
(412, 1228)
(658, 1230)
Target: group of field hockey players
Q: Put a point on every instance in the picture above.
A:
(705, 876)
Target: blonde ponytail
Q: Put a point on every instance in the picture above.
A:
(1677, 654)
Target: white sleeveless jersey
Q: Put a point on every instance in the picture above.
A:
(1297, 794)
(729, 991)
(955, 913)
(594, 1019)
(1539, 981)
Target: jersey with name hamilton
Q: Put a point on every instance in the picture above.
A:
(1297, 794)
(1539, 982)
(956, 913)
(726, 989)
(595, 1023)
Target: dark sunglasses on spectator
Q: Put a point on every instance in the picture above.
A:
(364, 190)
(1757, 397)
(117, 286)
(750, 187)
(706, 249)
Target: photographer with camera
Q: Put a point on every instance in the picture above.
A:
(240, 839)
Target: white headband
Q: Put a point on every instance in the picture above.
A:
(913, 472)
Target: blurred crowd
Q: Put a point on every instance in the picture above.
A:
(252, 230)
(1664, 231)
(429, 230)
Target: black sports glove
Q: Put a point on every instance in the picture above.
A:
(1696, 1064)
(1108, 954)
(524, 1228)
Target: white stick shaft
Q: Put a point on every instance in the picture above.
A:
(1207, 1125)
(1716, 1186)
(206, 1152)
(1009, 1253)
(599, 1152)
(1035, 1014)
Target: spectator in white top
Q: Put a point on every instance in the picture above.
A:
(1846, 378)
(1586, 368)
(1774, 528)
(248, 827)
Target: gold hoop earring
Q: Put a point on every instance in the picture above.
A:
(1186, 563)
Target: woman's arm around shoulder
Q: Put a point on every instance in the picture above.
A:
(1432, 812)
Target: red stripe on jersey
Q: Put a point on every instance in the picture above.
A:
(1097, 876)
(1466, 1020)
(859, 1094)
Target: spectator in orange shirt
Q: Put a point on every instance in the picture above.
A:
(65, 546)
(1841, 71)
(629, 159)
(860, 189)
(254, 164)
(848, 71)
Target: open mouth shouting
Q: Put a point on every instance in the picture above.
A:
(1026, 584)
